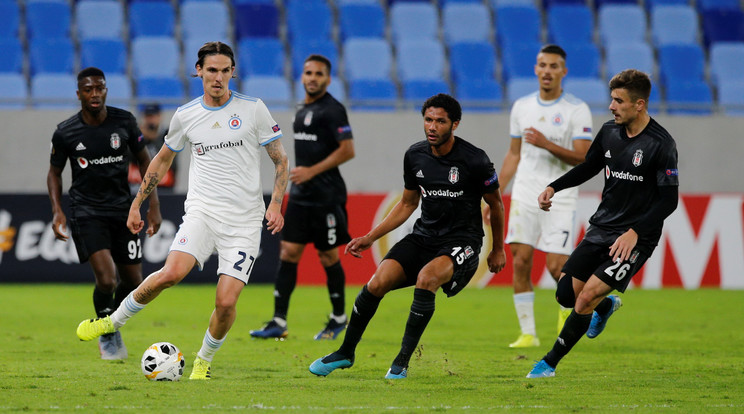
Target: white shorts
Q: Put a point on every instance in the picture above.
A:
(237, 247)
(551, 232)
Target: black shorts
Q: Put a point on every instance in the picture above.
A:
(95, 233)
(414, 252)
(594, 259)
(324, 226)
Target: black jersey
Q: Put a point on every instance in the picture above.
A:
(451, 186)
(99, 158)
(318, 128)
(634, 169)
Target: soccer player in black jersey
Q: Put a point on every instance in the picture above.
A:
(639, 160)
(449, 176)
(99, 141)
(316, 209)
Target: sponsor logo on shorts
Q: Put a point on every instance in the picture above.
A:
(469, 252)
(634, 256)
(331, 220)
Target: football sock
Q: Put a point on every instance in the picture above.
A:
(280, 321)
(103, 302)
(286, 279)
(524, 305)
(209, 346)
(365, 307)
(422, 310)
(575, 327)
(336, 283)
(128, 308)
(604, 306)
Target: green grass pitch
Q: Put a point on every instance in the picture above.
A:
(664, 351)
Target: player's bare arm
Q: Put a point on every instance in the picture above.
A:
(543, 200)
(157, 169)
(154, 218)
(343, 153)
(397, 216)
(497, 256)
(274, 218)
(54, 186)
(570, 156)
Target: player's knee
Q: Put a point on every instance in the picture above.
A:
(564, 294)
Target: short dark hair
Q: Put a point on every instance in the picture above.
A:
(321, 59)
(90, 71)
(554, 50)
(214, 48)
(637, 83)
(446, 102)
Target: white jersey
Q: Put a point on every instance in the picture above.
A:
(561, 121)
(225, 144)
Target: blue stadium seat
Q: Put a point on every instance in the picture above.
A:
(415, 92)
(54, 91)
(309, 21)
(10, 19)
(205, 19)
(674, 25)
(518, 22)
(420, 59)
(155, 56)
(464, 22)
(518, 60)
(373, 94)
(361, 20)
(621, 23)
(651, 4)
(109, 55)
(570, 24)
(336, 88)
(482, 95)
(256, 20)
(192, 45)
(725, 61)
(583, 60)
(368, 59)
(301, 49)
(593, 91)
(273, 90)
(155, 18)
(414, 21)
(705, 5)
(722, 26)
(689, 98)
(443, 3)
(678, 63)
(51, 55)
(601, 3)
(13, 91)
(260, 56)
(472, 61)
(48, 19)
(548, 4)
(519, 87)
(196, 87)
(623, 56)
(97, 19)
(168, 91)
(11, 50)
(119, 90)
(731, 97)
(496, 4)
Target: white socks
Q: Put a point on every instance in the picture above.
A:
(524, 305)
(209, 346)
(128, 308)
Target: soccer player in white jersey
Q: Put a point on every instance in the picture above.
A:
(224, 130)
(551, 131)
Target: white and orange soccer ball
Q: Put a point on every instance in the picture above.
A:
(163, 361)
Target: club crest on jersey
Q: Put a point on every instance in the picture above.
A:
(331, 221)
(638, 157)
(454, 175)
(308, 118)
(115, 141)
(234, 122)
(557, 119)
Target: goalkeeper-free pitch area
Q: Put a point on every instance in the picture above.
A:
(664, 351)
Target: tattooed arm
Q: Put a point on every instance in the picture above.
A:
(155, 172)
(281, 176)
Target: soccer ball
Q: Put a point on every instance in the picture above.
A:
(163, 361)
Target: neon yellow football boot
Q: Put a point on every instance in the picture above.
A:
(562, 316)
(201, 370)
(525, 341)
(93, 328)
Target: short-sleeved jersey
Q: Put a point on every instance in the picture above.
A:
(318, 129)
(99, 157)
(225, 144)
(561, 121)
(634, 169)
(451, 186)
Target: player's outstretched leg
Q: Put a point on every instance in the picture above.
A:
(541, 369)
(202, 369)
(600, 321)
(329, 363)
(90, 329)
(272, 329)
